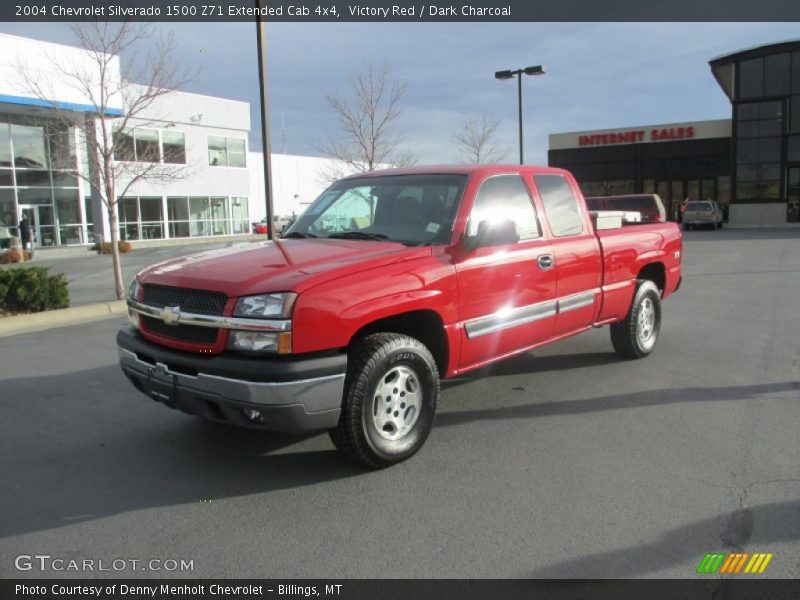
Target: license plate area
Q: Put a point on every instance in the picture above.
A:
(161, 384)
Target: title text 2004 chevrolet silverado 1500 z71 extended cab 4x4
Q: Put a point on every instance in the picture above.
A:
(387, 283)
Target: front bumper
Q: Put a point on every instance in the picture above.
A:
(285, 394)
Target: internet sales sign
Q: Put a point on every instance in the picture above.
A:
(636, 136)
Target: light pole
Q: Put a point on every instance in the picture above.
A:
(518, 73)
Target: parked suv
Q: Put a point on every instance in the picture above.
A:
(649, 206)
(702, 213)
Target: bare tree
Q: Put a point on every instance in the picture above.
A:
(477, 143)
(107, 134)
(367, 121)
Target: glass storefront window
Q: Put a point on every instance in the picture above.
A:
(68, 206)
(146, 142)
(123, 146)
(178, 209)
(8, 211)
(226, 152)
(62, 147)
(174, 147)
(776, 75)
(178, 229)
(751, 78)
(47, 226)
(198, 209)
(64, 179)
(35, 196)
(796, 72)
(240, 215)
(769, 149)
(794, 113)
(217, 151)
(28, 146)
(747, 151)
(236, 153)
(693, 190)
(6, 178)
(5, 146)
(793, 148)
(33, 178)
(128, 210)
(150, 209)
(724, 189)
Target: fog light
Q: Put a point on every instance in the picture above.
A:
(256, 341)
(133, 318)
(253, 415)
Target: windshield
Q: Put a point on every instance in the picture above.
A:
(699, 206)
(412, 209)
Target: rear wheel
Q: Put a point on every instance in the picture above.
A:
(636, 336)
(390, 400)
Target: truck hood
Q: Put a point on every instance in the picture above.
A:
(277, 266)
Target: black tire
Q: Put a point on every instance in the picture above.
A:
(636, 336)
(392, 372)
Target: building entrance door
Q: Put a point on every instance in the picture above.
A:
(42, 226)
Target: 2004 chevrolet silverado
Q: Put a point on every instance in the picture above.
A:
(389, 282)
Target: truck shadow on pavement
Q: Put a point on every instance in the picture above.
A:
(86, 445)
(774, 522)
(547, 407)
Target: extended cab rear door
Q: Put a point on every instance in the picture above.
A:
(506, 288)
(576, 249)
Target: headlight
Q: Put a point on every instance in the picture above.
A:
(133, 289)
(266, 306)
(257, 341)
(133, 294)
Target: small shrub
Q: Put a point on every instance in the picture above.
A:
(14, 255)
(105, 247)
(32, 289)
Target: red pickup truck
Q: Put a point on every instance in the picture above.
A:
(389, 282)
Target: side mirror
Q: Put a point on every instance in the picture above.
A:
(492, 233)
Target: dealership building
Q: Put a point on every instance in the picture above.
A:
(750, 163)
(215, 187)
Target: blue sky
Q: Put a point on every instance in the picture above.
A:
(600, 75)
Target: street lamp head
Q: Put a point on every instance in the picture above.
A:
(504, 75)
(537, 70)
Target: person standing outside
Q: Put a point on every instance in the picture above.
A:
(682, 209)
(25, 235)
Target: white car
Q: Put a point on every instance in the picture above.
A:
(702, 213)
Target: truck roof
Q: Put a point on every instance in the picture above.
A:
(458, 169)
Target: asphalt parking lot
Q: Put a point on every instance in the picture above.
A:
(566, 462)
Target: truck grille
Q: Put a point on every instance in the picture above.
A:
(194, 301)
(197, 301)
(184, 333)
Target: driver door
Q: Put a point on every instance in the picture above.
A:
(506, 290)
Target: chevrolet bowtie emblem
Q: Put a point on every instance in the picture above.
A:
(171, 315)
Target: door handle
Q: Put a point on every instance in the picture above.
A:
(546, 261)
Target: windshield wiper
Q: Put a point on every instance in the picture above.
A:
(298, 235)
(358, 235)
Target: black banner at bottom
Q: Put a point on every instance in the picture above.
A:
(399, 589)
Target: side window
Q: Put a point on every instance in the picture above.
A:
(505, 197)
(560, 205)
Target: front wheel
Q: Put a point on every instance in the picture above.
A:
(636, 336)
(389, 402)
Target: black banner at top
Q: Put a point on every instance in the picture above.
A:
(399, 10)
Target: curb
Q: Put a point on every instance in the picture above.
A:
(60, 318)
